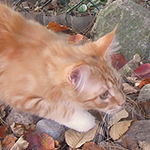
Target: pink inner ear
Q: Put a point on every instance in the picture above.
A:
(74, 76)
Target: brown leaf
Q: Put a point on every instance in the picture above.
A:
(128, 89)
(77, 39)
(92, 146)
(118, 129)
(9, 141)
(144, 82)
(75, 139)
(118, 61)
(40, 141)
(55, 27)
(118, 116)
(20, 129)
(20, 144)
(3, 130)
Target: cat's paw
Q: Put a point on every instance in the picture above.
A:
(81, 121)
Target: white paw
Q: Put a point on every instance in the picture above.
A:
(81, 121)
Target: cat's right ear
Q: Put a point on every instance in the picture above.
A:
(104, 43)
(79, 76)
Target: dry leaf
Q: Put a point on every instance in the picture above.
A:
(3, 130)
(118, 61)
(92, 146)
(118, 129)
(20, 129)
(9, 141)
(76, 39)
(40, 141)
(144, 145)
(20, 144)
(17, 129)
(128, 89)
(142, 72)
(144, 82)
(75, 139)
(55, 27)
(118, 116)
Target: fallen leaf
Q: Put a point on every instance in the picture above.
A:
(9, 141)
(74, 39)
(142, 72)
(75, 139)
(20, 144)
(144, 82)
(55, 27)
(118, 116)
(40, 141)
(92, 146)
(145, 145)
(118, 61)
(128, 89)
(20, 129)
(118, 129)
(3, 130)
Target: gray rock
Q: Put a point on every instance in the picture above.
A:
(51, 128)
(138, 131)
(144, 94)
(133, 33)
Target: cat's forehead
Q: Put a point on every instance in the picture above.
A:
(108, 76)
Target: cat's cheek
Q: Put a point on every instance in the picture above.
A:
(81, 121)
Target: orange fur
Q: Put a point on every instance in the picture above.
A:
(42, 74)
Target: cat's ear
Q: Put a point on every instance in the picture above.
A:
(104, 43)
(79, 75)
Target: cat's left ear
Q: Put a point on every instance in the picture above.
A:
(79, 76)
(104, 43)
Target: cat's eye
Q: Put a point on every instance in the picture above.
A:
(104, 95)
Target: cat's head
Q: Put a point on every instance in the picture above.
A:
(96, 82)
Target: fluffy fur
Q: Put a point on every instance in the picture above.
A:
(44, 75)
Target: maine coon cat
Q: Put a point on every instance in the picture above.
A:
(42, 74)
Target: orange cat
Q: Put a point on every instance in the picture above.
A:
(44, 75)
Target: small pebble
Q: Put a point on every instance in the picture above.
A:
(51, 128)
